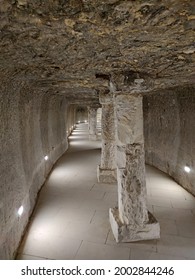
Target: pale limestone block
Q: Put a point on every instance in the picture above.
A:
(108, 155)
(121, 156)
(132, 188)
(107, 171)
(106, 175)
(92, 123)
(108, 122)
(131, 220)
(133, 232)
(129, 119)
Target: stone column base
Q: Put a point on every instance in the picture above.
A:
(132, 233)
(106, 175)
(92, 137)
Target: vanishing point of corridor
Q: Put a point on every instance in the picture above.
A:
(71, 220)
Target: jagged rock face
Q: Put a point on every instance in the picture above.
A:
(63, 44)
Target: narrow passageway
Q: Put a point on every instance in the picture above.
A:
(71, 221)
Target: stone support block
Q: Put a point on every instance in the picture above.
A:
(106, 175)
(129, 114)
(92, 123)
(107, 171)
(108, 122)
(108, 155)
(131, 221)
(132, 188)
(133, 232)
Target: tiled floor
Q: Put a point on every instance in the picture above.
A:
(71, 217)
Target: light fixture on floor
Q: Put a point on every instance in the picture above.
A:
(78, 121)
(187, 169)
(20, 210)
(85, 121)
(46, 158)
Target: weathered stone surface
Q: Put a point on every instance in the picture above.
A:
(133, 232)
(107, 170)
(121, 156)
(63, 44)
(169, 133)
(130, 222)
(132, 188)
(108, 154)
(108, 131)
(108, 122)
(129, 120)
(92, 119)
(106, 98)
(106, 175)
(32, 125)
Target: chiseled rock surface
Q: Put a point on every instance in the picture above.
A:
(129, 119)
(169, 128)
(132, 188)
(107, 171)
(92, 123)
(130, 221)
(108, 176)
(32, 126)
(108, 155)
(133, 232)
(63, 44)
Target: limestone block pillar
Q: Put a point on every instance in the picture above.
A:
(92, 118)
(107, 171)
(131, 221)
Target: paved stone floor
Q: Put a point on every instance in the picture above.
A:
(71, 217)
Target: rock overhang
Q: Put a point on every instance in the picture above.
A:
(63, 45)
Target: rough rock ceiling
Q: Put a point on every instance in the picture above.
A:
(66, 44)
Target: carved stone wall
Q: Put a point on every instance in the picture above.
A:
(32, 125)
(169, 130)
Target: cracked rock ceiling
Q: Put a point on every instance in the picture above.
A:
(63, 45)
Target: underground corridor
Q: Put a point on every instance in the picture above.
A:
(71, 218)
(97, 142)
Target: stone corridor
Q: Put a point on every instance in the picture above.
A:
(71, 217)
(90, 93)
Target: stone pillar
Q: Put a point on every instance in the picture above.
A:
(92, 116)
(107, 171)
(131, 221)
